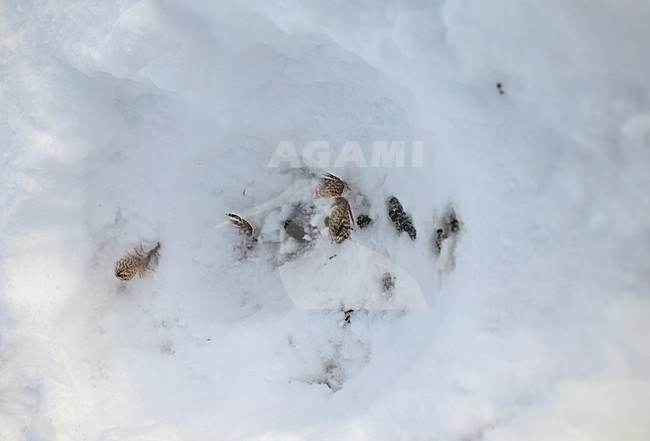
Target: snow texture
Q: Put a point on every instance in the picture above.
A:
(132, 122)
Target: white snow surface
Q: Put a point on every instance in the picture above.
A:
(136, 121)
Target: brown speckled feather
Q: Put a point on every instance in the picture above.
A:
(241, 224)
(340, 220)
(330, 186)
(137, 263)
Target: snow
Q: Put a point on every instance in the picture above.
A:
(137, 121)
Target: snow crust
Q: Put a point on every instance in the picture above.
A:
(137, 121)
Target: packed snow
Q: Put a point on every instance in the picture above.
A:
(132, 122)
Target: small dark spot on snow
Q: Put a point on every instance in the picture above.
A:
(363, 220)
(500, 88)
(448, 230)
(295, 230)
(388, 282)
